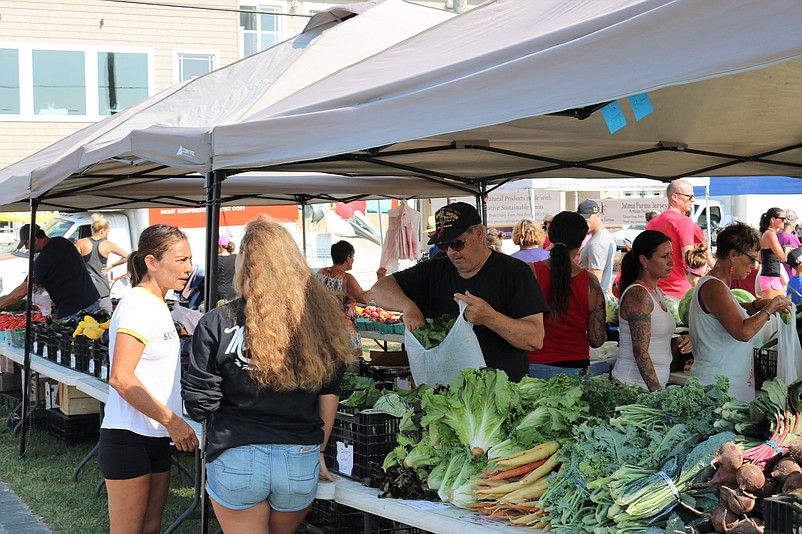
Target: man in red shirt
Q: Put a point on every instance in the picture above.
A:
(684, 234)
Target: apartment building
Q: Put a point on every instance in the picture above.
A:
(65, 64)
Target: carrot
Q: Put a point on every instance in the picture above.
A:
(542, 470)
(481, 504)
(510, 473)
(544, 450)
(532, 491)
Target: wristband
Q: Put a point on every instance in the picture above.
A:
(763, 309)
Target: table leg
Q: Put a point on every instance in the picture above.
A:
(196, 500)
(85, 460)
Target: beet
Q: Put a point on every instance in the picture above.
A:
(793, 483)
(795, 448)
(729, 456)
(769, 489)
(721, 518)
(738, 501)
(747, 526)
(785, 467)
(750, 477)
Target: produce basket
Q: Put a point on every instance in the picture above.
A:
(782, 515)
(765, 366)
(40, 335)
(366, 437)
(65, 348)
(18, 338)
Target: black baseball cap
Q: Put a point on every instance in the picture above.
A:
(24, 234)
(451, 221)
(588, 208)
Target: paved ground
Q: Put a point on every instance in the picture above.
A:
(16, 517)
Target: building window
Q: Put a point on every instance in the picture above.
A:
(9, 82)
(260, 28)
(59, 82)
(122, 80)
(193, 65)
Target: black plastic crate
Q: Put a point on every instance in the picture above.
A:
(73, 428)
(765, 366)
(329, 517)
(782, 515)
(371, 437)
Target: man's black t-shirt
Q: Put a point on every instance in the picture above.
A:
(60, 268)
(506, 283)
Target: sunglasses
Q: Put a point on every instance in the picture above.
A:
(689, 197)
(754, 259)
(781, 218)
(456, 245)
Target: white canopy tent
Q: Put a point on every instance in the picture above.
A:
(116, 150)
(512, 89)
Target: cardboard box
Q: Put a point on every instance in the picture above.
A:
(6, 365)
(42, 385)
(391, 358)
(10, 382)
(71, 401)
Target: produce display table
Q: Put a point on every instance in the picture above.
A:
(439, 518)
(382, 339)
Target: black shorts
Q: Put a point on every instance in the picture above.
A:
(124, 454)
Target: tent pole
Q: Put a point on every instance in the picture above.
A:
(303, 225)
(379, 211)
(213, 184)
(26, 365)
(481, 202)
(707, 214)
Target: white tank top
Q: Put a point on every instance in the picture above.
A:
(716, 352)
(663, 326)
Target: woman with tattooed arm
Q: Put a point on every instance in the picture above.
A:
(646, 325)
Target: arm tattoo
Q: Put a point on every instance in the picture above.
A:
(597, 316)
(640, 326)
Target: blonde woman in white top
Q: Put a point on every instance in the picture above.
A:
(646, 325)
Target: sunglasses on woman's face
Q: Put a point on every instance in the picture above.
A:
(456, 245)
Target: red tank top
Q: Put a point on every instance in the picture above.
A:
(565, 340)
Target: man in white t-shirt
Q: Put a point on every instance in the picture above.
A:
(598, 254)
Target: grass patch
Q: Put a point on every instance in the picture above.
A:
(43, 480)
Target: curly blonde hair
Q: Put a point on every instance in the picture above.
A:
(293, 324)
(528, 233)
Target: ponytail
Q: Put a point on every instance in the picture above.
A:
(765, 219)
(566, 233)
(560, 281)
(136, 268)
(629, 271)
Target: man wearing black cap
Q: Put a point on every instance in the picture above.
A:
(60, 269)
(504, 302)
(598, 254)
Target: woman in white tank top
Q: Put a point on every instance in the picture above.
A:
(645, 324)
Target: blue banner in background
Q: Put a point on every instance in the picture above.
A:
(723, 186)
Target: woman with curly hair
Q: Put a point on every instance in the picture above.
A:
(529, 235)
(576, 317)
(264, 373)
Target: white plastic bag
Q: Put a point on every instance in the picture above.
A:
(442, 364)
(789, 350)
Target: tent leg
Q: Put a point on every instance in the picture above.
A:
(26, 366)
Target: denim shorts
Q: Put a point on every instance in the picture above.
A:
(546, 372)
(285, 475)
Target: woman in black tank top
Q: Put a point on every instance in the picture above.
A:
(771, 253)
